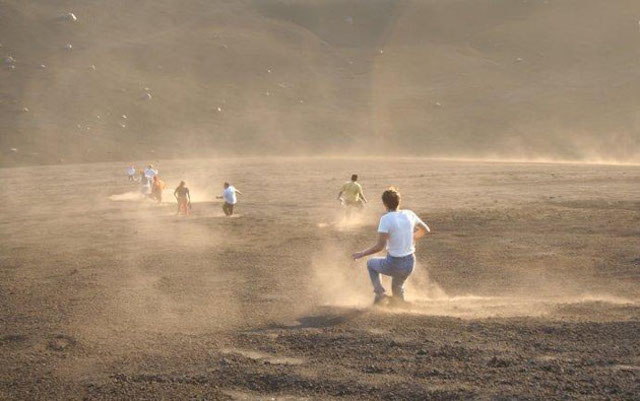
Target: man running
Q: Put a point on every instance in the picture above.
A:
(184, 199)
(351, 195)
(230, 198)
(398, 231)
(156, 189)
(150, 172)
(131, 172)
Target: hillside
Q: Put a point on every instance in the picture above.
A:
(459, 78)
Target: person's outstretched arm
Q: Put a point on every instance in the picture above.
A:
(382, 242)
(362, 196)
(238, 192)
(421, 230)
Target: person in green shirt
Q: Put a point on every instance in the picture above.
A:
(351, 195)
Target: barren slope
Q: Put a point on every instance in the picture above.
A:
(500, 78)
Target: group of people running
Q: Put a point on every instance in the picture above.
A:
(397, 230)
(152, 187)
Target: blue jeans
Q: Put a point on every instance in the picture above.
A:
(398, 268)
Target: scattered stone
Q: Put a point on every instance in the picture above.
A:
(381, 51)
(12, 67)
(122, 125)
(61, 342)
(14, 150)
(269, 70)
(68, 46)
(98, 116)
(9, 60)
(438, 104)
(219, 109)
(71, 17)
(301, 101)
(42, 66)
(147, 96)
(92, 67)
(25, 109)
(519, 60)
(267, 93)
(124, 116)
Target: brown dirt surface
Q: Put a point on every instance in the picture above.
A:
(527, 288)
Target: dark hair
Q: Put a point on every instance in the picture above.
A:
(391, 198)
(226, 184)
(354, 177)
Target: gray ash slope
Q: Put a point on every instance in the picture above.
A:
(551, 79)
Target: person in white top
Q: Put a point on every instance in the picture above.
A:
(149, 173)
(230, 196)
(398, 231)
(131, 172)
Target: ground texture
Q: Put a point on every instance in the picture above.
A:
(528, 287)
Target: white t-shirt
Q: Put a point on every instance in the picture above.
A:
(400, 226)
(150, 173)
(131, 171)
(229, 195)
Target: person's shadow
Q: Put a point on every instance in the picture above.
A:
(320, 321)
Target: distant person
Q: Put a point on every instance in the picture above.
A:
(184, 199)
(150, 172)
(230, 196)
(131, 172)
(156, 189)
(351, 195)
(145, 185)
(398, 231)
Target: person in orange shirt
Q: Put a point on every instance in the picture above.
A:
(157, 188)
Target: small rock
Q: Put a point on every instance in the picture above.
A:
(124, 116)
(269, 70)
(92, 67)
(9, 60)
(147, 96)
(381, 51)
(71, 17)
(438, 104)
(122, 125)
(25, 109)
(14, 150)
(519, 60)
(219, 109)
(68, 46)
(42, 66)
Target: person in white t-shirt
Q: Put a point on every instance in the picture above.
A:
(149, 173)
(131, 172)
(230, 196)
(398, 231)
